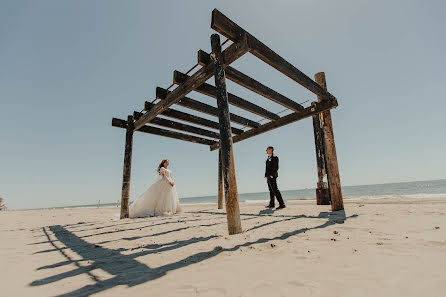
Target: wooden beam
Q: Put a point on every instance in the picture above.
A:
(251, 84)
(319, 145)
(203, 58)
(220, 182)
(291, 118)
(162, 94)
(179, 126)
(190, 118)
(231, 30)
(166, 133)
(208, 90)
(227, 154)
(334, 181)
(322, 192)
(232, 53)
(127, 168)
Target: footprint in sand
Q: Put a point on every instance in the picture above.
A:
(202, 292)
(296, 283)
(211, 292)
(188, 288)
(299, 286)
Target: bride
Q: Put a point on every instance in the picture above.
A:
(161, 198)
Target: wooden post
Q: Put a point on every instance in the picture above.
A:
(227, 154)
(125, 197)
(220, 181)
(322, 191)
(334, 181)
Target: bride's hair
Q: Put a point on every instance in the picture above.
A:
(161, 165)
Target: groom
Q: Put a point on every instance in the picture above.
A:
(271, 174)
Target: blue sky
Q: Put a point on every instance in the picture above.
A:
(68, 67)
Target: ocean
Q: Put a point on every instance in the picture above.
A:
(417, 189)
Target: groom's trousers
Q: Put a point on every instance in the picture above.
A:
(274, 191)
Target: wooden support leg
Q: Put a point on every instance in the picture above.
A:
(330, 151)
(220, 181)
(322, 192)
(127, 169)
(227, 154)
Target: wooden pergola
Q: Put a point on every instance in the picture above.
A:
(217, 64)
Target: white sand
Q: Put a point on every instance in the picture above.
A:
(384, 248)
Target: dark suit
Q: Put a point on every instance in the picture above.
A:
(271, 174)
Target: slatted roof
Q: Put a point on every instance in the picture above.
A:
(162, 118)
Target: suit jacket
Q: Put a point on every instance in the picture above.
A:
(272, 167)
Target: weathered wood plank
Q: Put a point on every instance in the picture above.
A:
(294, 117)
(162, 94)
(322, 193)
(252, 84)
(227, 154)
(118, 123)
(166, 133)
(220, 182)
(319, 145)
(190, 118)
(234, 32)
(127, 168)
(208, 90)
(334, 181)
(232, 53)
(179, 126)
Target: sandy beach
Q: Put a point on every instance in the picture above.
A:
(376, 248)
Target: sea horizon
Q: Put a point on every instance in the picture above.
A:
(413, 189)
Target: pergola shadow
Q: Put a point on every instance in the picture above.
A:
(154, 223)
(126, 270)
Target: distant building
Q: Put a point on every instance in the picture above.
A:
(2, 205)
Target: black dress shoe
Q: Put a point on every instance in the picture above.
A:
(269, 206)
(281, 206)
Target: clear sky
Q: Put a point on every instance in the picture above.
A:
(68, 67)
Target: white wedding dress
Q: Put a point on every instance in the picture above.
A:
(159, 199)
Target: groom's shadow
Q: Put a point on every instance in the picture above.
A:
(266, 211)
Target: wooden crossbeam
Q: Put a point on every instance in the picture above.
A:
(163, 94)
(230, 54)
(252, 84)
(234, 32)
(291, 118)
(190, 118)
(166, 133)
(209, 90)
(179, 126)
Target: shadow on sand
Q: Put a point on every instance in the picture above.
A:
(126, 270)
